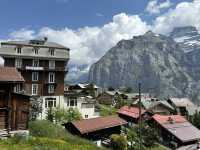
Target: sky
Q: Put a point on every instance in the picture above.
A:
(91, 27)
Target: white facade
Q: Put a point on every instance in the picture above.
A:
(86, 109)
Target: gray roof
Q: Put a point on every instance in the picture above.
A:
(185, 131)
(165, 103)
(27, 43)
(182, 102)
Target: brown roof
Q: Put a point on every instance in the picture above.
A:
(10, 74)
(179, 127)
(94, 124)
(132, 112)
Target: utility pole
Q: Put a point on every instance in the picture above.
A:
(140, 118)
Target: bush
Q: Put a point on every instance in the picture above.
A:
(44, 128)
(61, 116)
(118, 142)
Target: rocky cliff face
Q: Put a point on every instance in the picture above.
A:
(157, 61)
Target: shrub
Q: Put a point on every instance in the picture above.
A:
(44, 128)
(118, 142)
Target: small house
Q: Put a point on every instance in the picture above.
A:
(175, 130)
(155, 106)
(183, 106)
(96, 129)
(14, 105)
(108, 97)
(131, 114)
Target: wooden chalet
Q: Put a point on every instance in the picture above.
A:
(183, 106)
(14, 107)
(96, 128)
(175, 130)
(131, 114)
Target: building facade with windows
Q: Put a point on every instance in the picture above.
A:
(43, 66)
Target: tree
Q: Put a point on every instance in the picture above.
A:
(50, 114)
(119, 101)
(73, 114)
(149, 135)
(118, 142)
(60, 116)
(35, 108)
(195, 120)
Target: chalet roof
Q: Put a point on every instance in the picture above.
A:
(179, 127)
(181, 102)
(130, 111)
(164, 103)
(10, 74)
(27, 43)
(94, 124)
(112, 93)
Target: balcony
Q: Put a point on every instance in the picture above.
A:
(34, 68)
(59, 69)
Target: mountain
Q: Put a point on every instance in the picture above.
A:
(189, 39)
(156, 61)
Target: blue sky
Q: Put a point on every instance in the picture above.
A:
(91, 27)
(34, 14)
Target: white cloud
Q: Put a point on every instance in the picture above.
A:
(185, 13)
(22, 34)
(88, 44)
(99, 15)
(154, 7)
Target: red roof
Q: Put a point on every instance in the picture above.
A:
(94, 124)
(165, 119)
(130, 111)
(10, 74)
(179, 127)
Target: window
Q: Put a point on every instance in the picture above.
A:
(18, 50)
(36, 50)
(17, 88)
(18, 63)
(35, 76)
(35, 63)
(86, 116)
(50, 102)
(51, 89)
(51, 64)
(52, 51)
(72, 102)
(34, 89)
(51, 77)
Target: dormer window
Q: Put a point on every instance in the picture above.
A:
(18, 50)
(52, 51)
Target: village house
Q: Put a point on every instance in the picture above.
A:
(175, 130)
(84, 104)
(14, 106)
(43, 67)
(85, 88)
(79, 96)
(108, 97)
(131, 114)
(183, 106)
(96, 129)
(155, 106)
